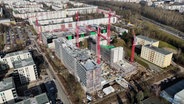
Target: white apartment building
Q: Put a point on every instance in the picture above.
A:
(134, 1)
(117, 54)
(143, 40)
(179, 7)
(56, 26)
(25, 70)
(15, 56)
(7, 91)
(156, 55)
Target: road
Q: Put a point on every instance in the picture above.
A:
(165, 28)
(62, 94)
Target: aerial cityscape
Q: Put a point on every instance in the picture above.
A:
(91, 51)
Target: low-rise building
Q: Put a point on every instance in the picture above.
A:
(175, 6)
(174, 93)
(156, 55)
(179, 97)
(25, 70)
(121, 31)
(143, 40)
(39, 99)
(15, 56)
(7, 91)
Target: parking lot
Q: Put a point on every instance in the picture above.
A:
(16, 38)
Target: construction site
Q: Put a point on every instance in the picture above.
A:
(62, 26)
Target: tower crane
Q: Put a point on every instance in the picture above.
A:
(110, 14)
(133, 47)
(99, 35)
(77, 29)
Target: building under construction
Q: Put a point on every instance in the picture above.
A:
(70, 35)
(114, 56)
(80, 63)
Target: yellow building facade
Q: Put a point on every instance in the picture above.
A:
(156, 55)
(143, 40)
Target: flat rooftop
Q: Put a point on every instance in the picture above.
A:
(39, 99)
(159, 50)
(6, 83)
(83, 56)
(90, 65)
(23, 63)
(125, 67)
(16, 53)
(174, 89)
(146, 38)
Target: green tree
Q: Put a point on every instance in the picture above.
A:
(140, 96)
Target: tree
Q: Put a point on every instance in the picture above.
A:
(140, 96)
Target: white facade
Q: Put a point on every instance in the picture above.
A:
(7, 96)
(135, 1)
(51, 27)
(82, 10)
(179, 1)
(178, 7)
(117, 54)
(4, 21)
(143, 40)
(120, 30)
(79, 63)
(55, 20)
(7, 91)
(15, 56)
(26, 70)
(179, 97)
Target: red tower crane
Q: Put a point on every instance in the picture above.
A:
(77, 29)
(38, 26)
(98, 51)
(39, 31)
(110, 14)
(133, 47)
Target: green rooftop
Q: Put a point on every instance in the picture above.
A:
(107, 47)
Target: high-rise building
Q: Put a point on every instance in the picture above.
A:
(80, 63)
(7, 91)
(25, 70)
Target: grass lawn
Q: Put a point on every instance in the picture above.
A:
(1, 42)
(163, 44)
(137, 58)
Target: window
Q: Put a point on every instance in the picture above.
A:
(18, 57)
(5, 61)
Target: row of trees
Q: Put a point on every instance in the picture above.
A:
(166, 17)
